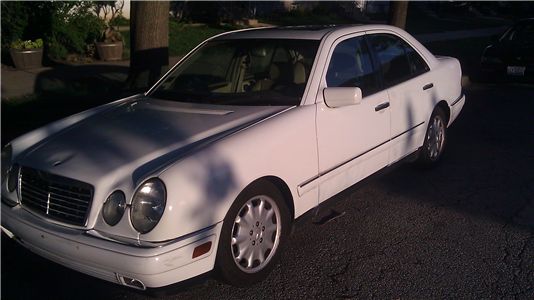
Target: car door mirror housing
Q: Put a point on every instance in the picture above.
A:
(342, 96)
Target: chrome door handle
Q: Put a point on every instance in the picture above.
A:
(382, 106)
(428, 86)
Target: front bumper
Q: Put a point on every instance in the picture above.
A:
(154, 267)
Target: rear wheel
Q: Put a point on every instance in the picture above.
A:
(254, 231)
(435, 138)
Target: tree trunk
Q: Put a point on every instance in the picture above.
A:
(397, 13)
(149, 43)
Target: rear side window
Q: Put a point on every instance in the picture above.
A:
(398, 60)
(351, 66)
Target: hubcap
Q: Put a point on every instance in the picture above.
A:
(435, 138)
(256, 234)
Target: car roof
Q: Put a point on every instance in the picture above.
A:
(305, 32)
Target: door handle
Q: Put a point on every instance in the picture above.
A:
(382, 106)
(428, 86)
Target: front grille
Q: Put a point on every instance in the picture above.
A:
(59, 198)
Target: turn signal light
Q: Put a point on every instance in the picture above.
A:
(202, 249)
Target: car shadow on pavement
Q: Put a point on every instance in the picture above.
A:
(60, 92)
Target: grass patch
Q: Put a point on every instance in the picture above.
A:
(419, 22)
(182, 37)
(295, 17)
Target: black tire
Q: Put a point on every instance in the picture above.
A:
(433, 146)
(226, 263)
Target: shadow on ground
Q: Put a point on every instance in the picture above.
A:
(61, 92)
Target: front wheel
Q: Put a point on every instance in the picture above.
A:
(253, 233)
(435, 138)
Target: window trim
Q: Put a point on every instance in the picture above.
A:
(375, 56)
(323, 83)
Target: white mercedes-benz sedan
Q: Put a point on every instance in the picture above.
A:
(210, 167)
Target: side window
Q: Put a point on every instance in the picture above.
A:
(398, 60)
(351, 65)
(417, 63)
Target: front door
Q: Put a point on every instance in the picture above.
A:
(352, 140)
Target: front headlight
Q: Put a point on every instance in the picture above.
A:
(114, 208)
(13, 178)
(7, 151)
(148, 205)
(12, 183)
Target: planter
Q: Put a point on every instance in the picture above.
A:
(27, 58)
(251, 22)
(109, 51)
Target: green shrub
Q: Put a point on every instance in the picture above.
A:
(73, 28)
(119, 21)
(67, 26)
(28, 44)
(14, 22)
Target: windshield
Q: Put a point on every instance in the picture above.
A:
(242, 72)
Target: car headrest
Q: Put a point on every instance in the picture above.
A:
(299, 73)
(274, 72)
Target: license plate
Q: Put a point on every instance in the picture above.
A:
(515, 70)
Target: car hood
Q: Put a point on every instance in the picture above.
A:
(137, 137)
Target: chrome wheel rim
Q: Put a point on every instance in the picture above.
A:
(256, 234)
(435, 138)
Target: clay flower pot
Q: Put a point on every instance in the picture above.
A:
(27, 58)
(109, 51)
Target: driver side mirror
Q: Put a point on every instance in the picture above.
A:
(342, 96)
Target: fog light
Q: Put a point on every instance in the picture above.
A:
(114, 208)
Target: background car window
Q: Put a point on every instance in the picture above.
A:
(398, 60)
(521, 33)
(351, 65)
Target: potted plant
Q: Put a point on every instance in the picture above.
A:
(110, 46)
(27, 54)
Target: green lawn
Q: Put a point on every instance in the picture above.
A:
(419, 22)
(183, 37)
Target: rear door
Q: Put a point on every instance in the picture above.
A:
(410, 88)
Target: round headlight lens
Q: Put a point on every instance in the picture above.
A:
(13, 178)
(148, 205)
(7, 152)
(114, 208)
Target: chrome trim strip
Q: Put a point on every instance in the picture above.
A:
(458, 99)
(356, 157)
(145, 244)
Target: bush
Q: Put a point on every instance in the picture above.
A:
(73, 28)
(14, 22)
(67, 27)
(119, 21)
(29, 44)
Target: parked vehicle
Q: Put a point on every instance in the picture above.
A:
(512, 54)
(210, 167)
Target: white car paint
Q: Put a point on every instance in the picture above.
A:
(206, 155)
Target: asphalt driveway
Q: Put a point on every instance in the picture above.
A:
(462, 230)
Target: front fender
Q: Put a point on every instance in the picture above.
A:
(202, 187)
